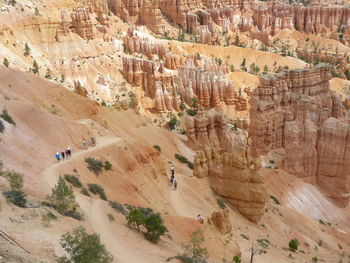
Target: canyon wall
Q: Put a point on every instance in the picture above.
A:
(222, 156)
(201, 17)
(297, 111)
(179, 78)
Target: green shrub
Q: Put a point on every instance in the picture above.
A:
(6, 117)
(6, 62)
(108, 166)
(315, 259)
(35, 68)
(14, 179)
(82, 247)
(237, 259)
(48, 217)
(2, 127)
(73, 180)
(245, 236)
(16, 197)
(172, 123)
(97, 189)
(157, 147)
(293, 244)
(180, 114)
(183, 132)
(275, 200)
(62, 197)
(94, 165)
(191, 112)
(110, 217)
(136, 217)
(182, 106)
(221, 203)
(155, 227)
(194, 249)
(181, 158)
(118, 207)
(190, 165)
(84, 191)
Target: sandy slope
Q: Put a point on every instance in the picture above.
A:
(139, 178)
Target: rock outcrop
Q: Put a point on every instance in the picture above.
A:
(222, 156)
(297, 111)
(221, 220)
(82, 24)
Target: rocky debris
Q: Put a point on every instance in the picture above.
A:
(222, 156)
(221, 220)
(297, 111)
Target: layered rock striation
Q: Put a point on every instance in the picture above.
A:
(222, 156)
(297, 111)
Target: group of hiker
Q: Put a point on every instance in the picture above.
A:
(86, 145)
(66, 154)
(172, 178)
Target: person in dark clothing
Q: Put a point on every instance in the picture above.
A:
(63, 155)
(93, 141)
(172, 169)
(172, 178)
(175, 184)
(68, 153)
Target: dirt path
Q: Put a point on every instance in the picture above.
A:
(93, 208)
(49, 176)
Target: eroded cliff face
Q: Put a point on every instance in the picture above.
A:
(179, 78)
(202, 18)
(297, 111)
(222, 156)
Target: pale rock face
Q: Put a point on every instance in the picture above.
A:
(297, 111)
(81, 23)
(222, 156)
(221, 220)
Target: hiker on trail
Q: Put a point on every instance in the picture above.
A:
(85, 144)
(172, 178)
(200, 219)
(68, 153)
(63, 154)
(175, 184)
(58, 157)
(172, 169)
(93, 141)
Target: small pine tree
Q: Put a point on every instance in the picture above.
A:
(48, 74)
(194, 249)
(62, 78)
(82, 247)
(35, 68)
(136, 217)
(155, 227)
(6, 63)
(26, 50)
(37, 13)
(293, 244)
(62, 197)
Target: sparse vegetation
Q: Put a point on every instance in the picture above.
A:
(2, 126)
(85, 191)
(119, 208)
(107, 165)
(275, 200)
(62, 197)
(73, 180)
(221, 203)
(183, 159)
(293, 244)
(97, 189)
(194, 249)
(110, 217)
(6, 62)
(26, 50)
(245, 236)
(82, 247)
(157, 147)
(6, 117)
(94, 165)
(236, 259)
(173, 122)
(35, 68)
(15, 180)
(152, 222)
(47, 218)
